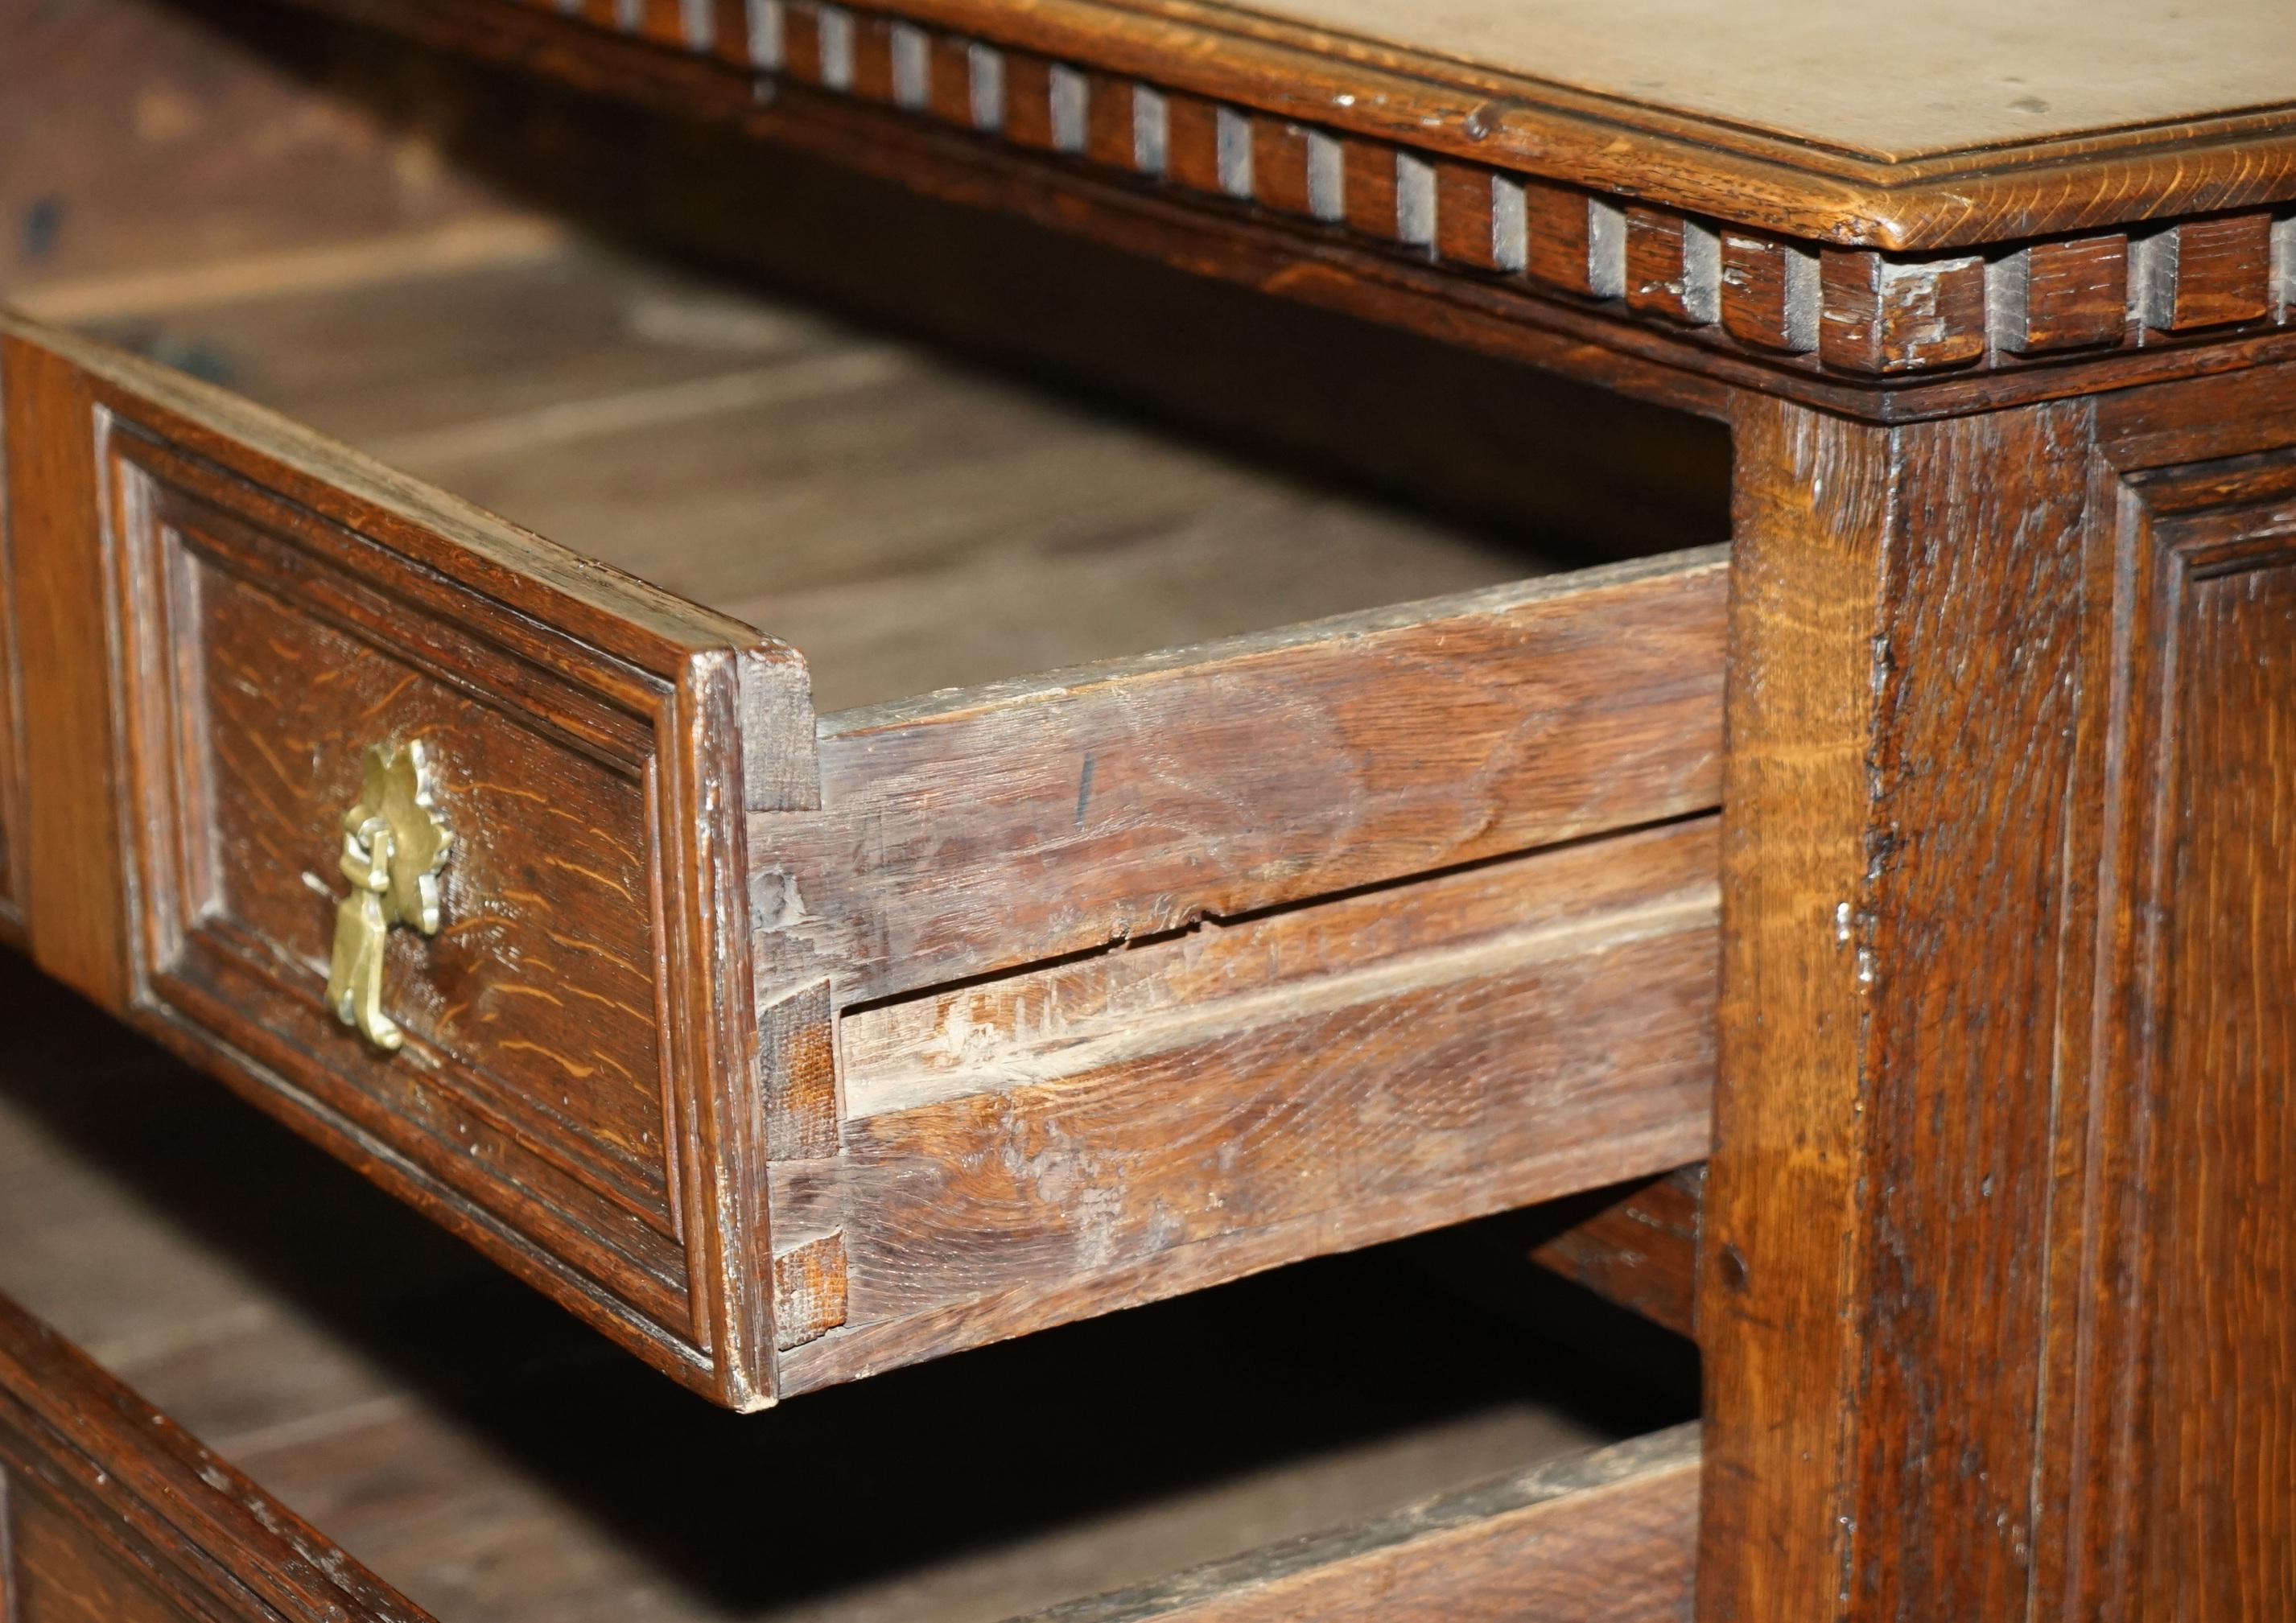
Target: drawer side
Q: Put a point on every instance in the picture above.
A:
(1096, 989)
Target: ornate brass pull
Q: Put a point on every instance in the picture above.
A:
(394, 844)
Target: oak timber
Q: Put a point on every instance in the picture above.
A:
(1593, 276)
(1121, 1127)
(909, 518)
(1997, 1149)
(1602, 1538)
(590, 668)
(1136, 797)
(1990, 80)
(1635, 1244)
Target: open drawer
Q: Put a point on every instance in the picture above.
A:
(785, 1047)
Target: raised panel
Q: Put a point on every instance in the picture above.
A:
(262, 673)
(2220, 1379)
(2174, 1307)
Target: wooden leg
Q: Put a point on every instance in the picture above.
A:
(1999, 1287)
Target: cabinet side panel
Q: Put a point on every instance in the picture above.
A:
(69, 857)
(12, 732)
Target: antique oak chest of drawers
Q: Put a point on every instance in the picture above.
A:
(1918, 856)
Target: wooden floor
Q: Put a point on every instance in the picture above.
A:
(501, 1464)
(908, 520)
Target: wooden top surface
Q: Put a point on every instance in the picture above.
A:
(1885, 80)
(1892, 124)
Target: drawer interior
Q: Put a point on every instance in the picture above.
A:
(907, 517)
(494, 1463)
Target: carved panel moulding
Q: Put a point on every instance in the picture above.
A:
(1841, 311)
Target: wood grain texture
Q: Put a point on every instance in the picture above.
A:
(1096, 1133)
(1192, 144)
(1381, 269)
(1674, 267)
(110, 1513)
(1606, 1538)
(242, 550)
(15, 867)
(536, 1009)
(1467, 230)
(2060, 295)
(1635, 1244)
(1280, 167)
(1368, 202)
(2004, 950)
(498, 1462)
(1895, 314)
(540, 1128)
(2206, 273)
(152, 136)
(589, 1169)
(74, 873)
(877, 502)
(1905, 623)
(1769, 293)
(2220, 1390)
(1559, 249)
(1884, 316)
(1123, 801)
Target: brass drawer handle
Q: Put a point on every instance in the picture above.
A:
(394, 844)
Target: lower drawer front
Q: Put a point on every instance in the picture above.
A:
(785, 1049)
(110, 1513)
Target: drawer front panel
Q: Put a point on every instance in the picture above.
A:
(431, 840)
(261, 673)
(108, 1513)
